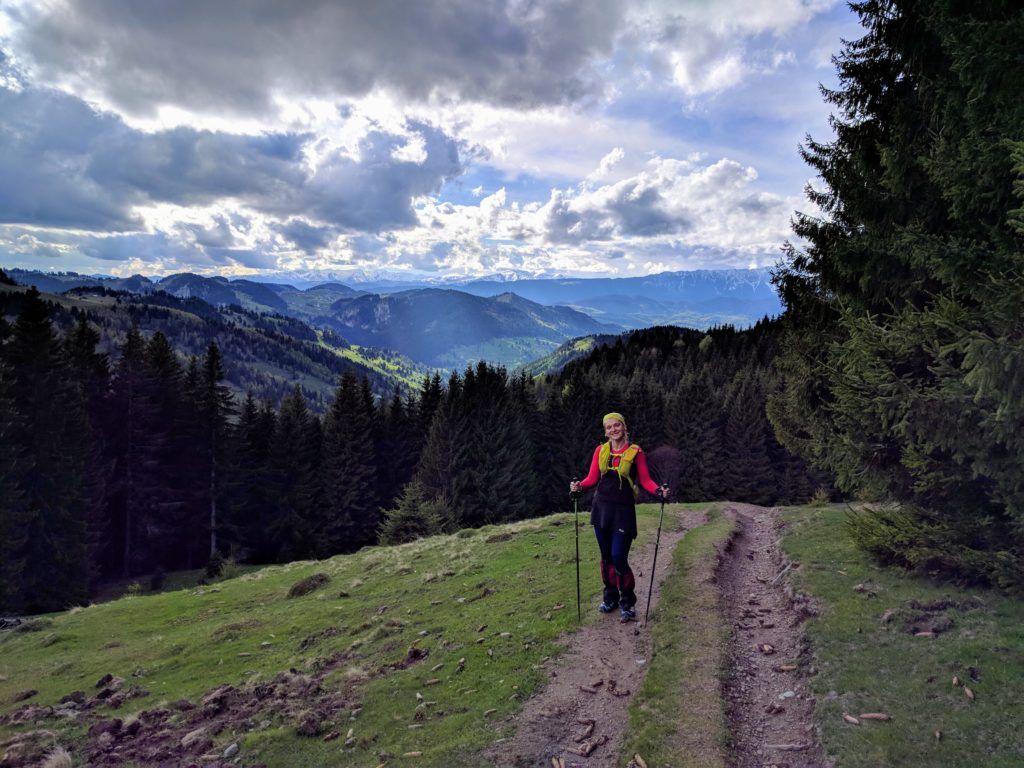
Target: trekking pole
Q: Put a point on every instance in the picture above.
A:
(576, 513)
(657, 542)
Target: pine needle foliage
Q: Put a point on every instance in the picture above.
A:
(904, 359)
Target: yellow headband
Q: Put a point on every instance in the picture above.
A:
(614, 416)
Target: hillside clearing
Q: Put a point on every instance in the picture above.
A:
(435, 653)
(425, 642)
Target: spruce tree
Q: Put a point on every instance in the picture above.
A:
(52, 429)
(748, 473)
(250, 485)
(350, 508)
(413, 517)
(171, 523)
(215, 406)
(901, 372)
(91, 371)
(440, 467)
(13, 510)
(134, 446)
(397, 448)
(293, 528)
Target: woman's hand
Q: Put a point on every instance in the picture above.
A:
(663, 491)
(574, 486)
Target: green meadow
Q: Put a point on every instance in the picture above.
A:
(425, 650)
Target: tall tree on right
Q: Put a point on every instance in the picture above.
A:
(904, 359)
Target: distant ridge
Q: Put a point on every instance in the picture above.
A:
(508, 319)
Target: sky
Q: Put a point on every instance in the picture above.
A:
(452, 138)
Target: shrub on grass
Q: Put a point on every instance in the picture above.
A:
(414, 517)
(910, 537)
(214, 565)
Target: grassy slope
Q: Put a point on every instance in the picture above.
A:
(865, 665)
(182, 644)
(678, 715)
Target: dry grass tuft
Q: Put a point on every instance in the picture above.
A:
(58, 757)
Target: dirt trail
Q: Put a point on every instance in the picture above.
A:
(771, 710)
(608, 658)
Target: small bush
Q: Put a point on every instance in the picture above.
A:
(134, 589)
(230, 570)
(414, 517)
(820, 498)
(908, 537)
(214, 565)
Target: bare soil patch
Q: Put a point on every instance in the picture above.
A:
(184, 733)
(771, 709)
(585, 705)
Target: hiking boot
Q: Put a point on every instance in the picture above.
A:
(628, 614)
(608, 607)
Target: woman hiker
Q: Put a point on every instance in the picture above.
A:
(616, 468)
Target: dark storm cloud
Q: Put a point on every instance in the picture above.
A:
(46, 143)
(306, 237)
(148, 247)
(65, 165)
(232, 55)
(373, 193)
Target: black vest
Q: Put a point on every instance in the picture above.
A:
(614, 506)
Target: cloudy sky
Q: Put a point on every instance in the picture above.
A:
(452, 137)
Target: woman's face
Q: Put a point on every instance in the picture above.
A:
(615, 430)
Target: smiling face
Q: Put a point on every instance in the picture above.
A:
(615, 430)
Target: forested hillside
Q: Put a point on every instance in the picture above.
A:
(267, 353)
(133, 464)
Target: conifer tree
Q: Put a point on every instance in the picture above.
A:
(350, 507)
(13, 511)
(192, 464)
(429, 401)
(439, 470)
(555, 452)
(215, 406)
(91, 371)
(52, 429)
(901, 359)
(248, 485)
(171, 522)
(397, 448)
(134, 444)
(293, 480)
(414, 517)
(749, 476)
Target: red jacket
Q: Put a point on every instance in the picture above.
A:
(643, 475)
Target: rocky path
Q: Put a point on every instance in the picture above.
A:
(585, 704)
(771, 711)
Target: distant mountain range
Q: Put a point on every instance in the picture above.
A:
(268, 353)
(452, 329)
(479, 319)
(697, 299)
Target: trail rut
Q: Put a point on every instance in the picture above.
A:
(608, 658)
(770, 707)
